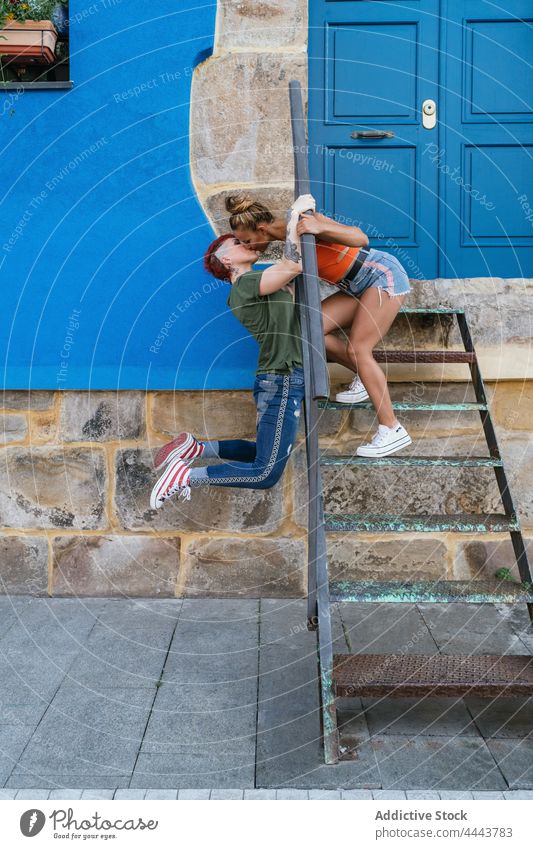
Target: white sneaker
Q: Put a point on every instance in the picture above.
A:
(355, 393)
(386, 441)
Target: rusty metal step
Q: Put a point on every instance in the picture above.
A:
(424, 356)
(381, 523)
(354, 460)
(375, 675)
(465, 407)
(470, 592)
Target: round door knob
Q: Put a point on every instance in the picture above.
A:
(429, 107)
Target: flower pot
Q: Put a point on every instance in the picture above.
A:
(29, 41)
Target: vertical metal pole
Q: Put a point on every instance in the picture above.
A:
(316, 386)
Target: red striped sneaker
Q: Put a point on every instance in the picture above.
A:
(184, 446)
(175, 479)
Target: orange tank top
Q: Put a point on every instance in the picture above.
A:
(334, 260)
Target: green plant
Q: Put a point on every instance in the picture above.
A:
(504, 574)
(27, 10)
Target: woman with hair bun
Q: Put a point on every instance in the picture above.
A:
(361, 274)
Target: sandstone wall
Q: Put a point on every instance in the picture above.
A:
(77, 474)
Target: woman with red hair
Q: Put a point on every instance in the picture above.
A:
(263, 302)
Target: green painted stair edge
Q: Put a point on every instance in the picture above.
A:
(432, 311)
(470, 592)
(490, 523)
(466, 407)
(354, 460)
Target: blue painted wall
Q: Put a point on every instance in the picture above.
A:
(102, 235)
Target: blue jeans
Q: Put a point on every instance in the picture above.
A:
(382, 271)
(260, 464)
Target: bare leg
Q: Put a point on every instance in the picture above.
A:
(338, 312)
(371, 322)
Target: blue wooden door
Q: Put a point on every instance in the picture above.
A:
(371, 67)
(485, 156)
(451, 194)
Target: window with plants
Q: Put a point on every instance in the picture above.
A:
(34, 41)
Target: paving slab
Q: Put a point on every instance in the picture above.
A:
(65, 794)
(88, 733)
(288, 718)
(97, 794)
(197, 769)
(127, 793)
(426, 716)
(324, 795)
(435, 763)
(259, 794)
(13, 740)
(186, 795)
(502, 717)
(515, 759)
(11, 608)
(31, 779)
(487, 794)
(384, 628)
(471, 629)
(125, 660)
(6, 794)
(518, 795)
(226, 794)
(293, 795)
(161, 795)
(214, 641)
(388, 795)
(32, 794)
(421, 795)
(357, 795)
(456, 795)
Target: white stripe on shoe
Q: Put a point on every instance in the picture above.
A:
(173, 478)
(184, 446)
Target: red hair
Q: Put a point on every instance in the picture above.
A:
(212, 264)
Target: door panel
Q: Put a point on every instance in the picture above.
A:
(372, 64)
(486, 158)
(455, 200)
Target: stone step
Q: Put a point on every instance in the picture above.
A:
(354, 460)
(381, 523)
(431, 592)
(376, 675)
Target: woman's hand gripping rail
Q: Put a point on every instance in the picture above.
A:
(280, 274)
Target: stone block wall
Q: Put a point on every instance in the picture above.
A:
(77, 473)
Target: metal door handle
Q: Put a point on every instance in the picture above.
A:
(372, 134)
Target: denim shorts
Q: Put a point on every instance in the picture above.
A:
(382, 271)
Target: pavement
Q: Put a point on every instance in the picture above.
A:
(210, 696)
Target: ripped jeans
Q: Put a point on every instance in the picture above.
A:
(382, 271)
(260, 464)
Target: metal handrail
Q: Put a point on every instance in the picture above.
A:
(307, 296)
(310, 300)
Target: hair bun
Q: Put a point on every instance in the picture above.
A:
(239, 203)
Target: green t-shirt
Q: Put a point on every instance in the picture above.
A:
(271, 319)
